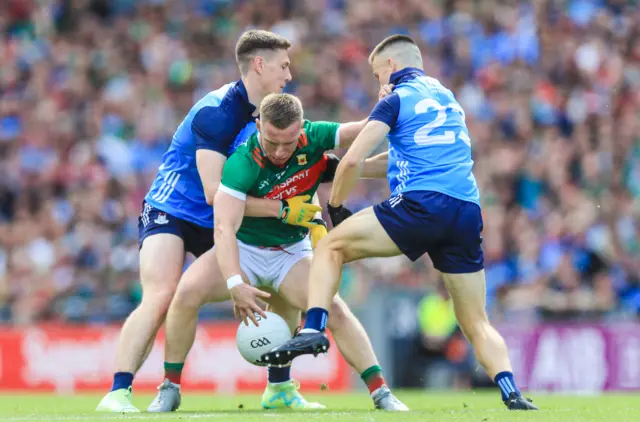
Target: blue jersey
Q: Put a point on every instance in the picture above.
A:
(220, 122)
(429, 144)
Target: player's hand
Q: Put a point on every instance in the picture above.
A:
(385, 90)
(318, 231)
(298, 212)
(245, 302)
(338, 214)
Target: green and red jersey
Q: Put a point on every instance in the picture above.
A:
(248, 172)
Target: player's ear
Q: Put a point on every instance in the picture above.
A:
(392, 64)
(258, 124)
(258, 64)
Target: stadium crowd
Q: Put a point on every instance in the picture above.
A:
(91, 92)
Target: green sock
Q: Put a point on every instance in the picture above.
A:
(173, 371)
(373, 378)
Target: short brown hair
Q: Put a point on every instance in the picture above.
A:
(252, 41)
(388, 42)
(281, 110)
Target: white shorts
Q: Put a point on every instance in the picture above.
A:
(267, 267)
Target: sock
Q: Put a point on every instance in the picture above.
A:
(507, 384)
(278, 375)
(373, 378)
(122, 380)
(316, 319)
(173, 371)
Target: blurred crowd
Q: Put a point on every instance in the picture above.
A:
(91, 92)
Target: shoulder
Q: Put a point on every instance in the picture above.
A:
(247, 147)
(319, 134)
(216, 107)
(387, 109)
(211, 117)
(248, 154)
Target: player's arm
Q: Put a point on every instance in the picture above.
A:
(350, 166)
(237, 178)
(382, 119)
(213, 139)
(375, 167)
(347, 133)
(210, 164)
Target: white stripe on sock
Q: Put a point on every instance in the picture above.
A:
(508, 381)
(504, 387)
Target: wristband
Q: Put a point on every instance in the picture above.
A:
(284, 209)
(233, 281)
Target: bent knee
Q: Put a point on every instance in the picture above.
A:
(190, 294)
(158, 300)
(335, 247)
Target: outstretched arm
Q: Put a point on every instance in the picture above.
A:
(375, 167)
(350, 166)
(210, 164)
(348, 132)
(382, 119)
(213, 139)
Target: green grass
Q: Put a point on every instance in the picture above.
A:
(432, 406)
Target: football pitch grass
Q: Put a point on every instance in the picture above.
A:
(426, 406)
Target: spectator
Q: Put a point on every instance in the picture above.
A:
(92, 90)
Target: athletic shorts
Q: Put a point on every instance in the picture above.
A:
(267, 267)
(446, 228)
(197, 239)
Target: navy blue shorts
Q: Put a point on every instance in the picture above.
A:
(446, 228)
(197, 239)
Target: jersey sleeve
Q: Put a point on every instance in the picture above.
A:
(239, 175)
(325, 135)
(387, 110)
(211, 129)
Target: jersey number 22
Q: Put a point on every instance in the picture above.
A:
(432, 133)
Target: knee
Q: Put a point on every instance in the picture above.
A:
(189, 295)
(332, 247)
(158, 300)
(473, 325)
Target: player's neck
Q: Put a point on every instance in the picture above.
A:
(254, 92)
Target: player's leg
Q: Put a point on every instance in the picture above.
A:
(201, 283)
(161, 262)
(359, 236)
(459, 258)
(349, 334)
(281, 390)
(468, 293)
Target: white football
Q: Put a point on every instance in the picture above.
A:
(254, 341)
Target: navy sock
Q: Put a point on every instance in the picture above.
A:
(507, 384)
(279, 374)
(317, 319)
(122, 380)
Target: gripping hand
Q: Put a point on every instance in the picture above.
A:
(298, 212)
(338, 214)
